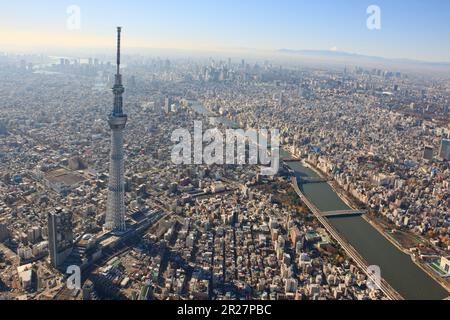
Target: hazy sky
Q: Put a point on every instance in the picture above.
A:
(415, 29)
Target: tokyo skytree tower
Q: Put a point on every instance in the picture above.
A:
(115, 214)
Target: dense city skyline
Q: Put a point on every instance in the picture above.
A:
(226, 177)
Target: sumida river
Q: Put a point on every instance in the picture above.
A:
(397, 268)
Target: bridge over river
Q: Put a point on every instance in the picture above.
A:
(305, 180)
(342, 213)
(362, 241)
(352, 253)
(402, 278)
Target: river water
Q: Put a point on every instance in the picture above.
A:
(397, 268)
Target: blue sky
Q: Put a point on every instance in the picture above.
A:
(415, 29)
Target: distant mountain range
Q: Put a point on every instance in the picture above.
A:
(342, 55)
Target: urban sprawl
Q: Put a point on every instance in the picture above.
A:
(380, 137)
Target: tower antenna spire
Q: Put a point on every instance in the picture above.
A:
(119, 31)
